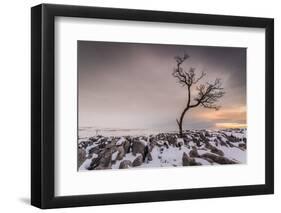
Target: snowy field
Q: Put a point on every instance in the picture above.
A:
(87, 132)
(121, 149)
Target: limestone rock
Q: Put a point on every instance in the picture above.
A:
(137, 161)
(125, 164)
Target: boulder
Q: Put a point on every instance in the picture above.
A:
(126, 146)
(95, 150)
(222, 143)
(125, 164)
(197, 142)
(120, 141)
(85, 144)
(232, 138)
(187, 161)
(105, 160)
(218, 159)
(202, 136)
(121, 153)
(242, 146)
(114, 156)
(146, 151)
(138, 161)
(149, 157)
(194, 153)
(110, 145)
(216, 150)
(207, 134)
(171, 140)
(81, 156)
(229, 144)
(93, 139)
(138, 147)
(180, 142)
(160, 143)
(95, 162)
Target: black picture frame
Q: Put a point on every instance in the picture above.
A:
(43, 101)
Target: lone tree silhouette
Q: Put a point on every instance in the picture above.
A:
(208, 93)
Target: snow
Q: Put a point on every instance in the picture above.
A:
(160, 142)
(89, 148)
(86, 132)
(171, 156)
(166, 155)
(189, 137)
(223, 138)
(234, 153)
(120, 141)
(191, 143)
(238, 135)
(143, 142)
(202, 161)
(114, 155)
(201, 151)
(128, 156)
(180, 141)
(85, 165)
(94, 155)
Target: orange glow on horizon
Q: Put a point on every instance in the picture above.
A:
(227, 117)
(230, 125)
(225, 113)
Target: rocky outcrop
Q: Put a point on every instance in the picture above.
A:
(125, 164)
(94, 163)
(126, 146)
(216, 151)
(187, 161)
(217, 159)
(242, 146)
(81, 156)
(172, 140)
(194, 153)
(165, 149)
(103, 161)
(138, 147)
(138, 161)
(149, 157)
(121, 153)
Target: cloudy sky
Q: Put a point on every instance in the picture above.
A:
(129, 85)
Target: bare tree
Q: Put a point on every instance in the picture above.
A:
(207, 94)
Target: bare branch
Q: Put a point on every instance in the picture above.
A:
(209, 94)
(178, 72)
(180, 60)
(200, 77)
(185, 78)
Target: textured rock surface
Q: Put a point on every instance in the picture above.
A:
(81, 156)
(137, 161)
(125, 164)
(187, 161)
(194, 148)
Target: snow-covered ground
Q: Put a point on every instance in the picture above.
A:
(87, 132)
(143, 149)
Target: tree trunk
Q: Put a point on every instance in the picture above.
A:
(181, 121)
(184, 111)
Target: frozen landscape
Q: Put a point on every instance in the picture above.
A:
(123, 149)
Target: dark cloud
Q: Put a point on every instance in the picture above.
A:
(129, 85)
